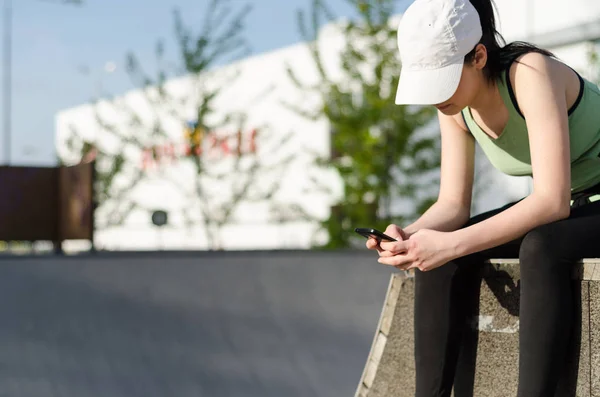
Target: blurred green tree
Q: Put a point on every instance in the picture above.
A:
(387, 156)
(215, 187)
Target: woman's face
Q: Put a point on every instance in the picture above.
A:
(471, 82)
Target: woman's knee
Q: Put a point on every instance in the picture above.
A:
(452, 272)
(541, 246)
(438, 275)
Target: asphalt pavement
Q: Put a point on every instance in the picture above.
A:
(239, 324)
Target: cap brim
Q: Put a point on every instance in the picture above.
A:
(428, 87)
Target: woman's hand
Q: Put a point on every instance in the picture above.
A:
(425, 250)
(392, 231)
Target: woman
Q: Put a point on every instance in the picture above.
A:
(532, 115)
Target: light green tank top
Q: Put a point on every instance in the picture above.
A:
(510, 152)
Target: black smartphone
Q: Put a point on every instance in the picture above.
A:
(376, 234)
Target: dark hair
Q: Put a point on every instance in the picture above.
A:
(500, 55)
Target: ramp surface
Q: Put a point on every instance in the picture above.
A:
(268, 324)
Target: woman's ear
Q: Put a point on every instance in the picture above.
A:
(480, 59)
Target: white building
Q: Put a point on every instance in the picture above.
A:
(260, 88)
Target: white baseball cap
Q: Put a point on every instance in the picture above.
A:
(433, 38)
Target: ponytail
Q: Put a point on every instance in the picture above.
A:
(500, 55)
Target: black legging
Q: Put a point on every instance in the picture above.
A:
(445, 300)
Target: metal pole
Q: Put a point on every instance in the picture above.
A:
(7, 109)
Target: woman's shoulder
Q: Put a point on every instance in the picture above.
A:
(536, 73)
(533, 63)
(538, 65)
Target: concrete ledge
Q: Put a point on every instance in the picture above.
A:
(489, 360)
(586, 269)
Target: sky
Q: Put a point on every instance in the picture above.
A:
(64, 55)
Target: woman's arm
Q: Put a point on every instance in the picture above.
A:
(540, 92)
(453, 207)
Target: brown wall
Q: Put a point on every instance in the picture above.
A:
(76, 202)
(28, 202)
(45, 203)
